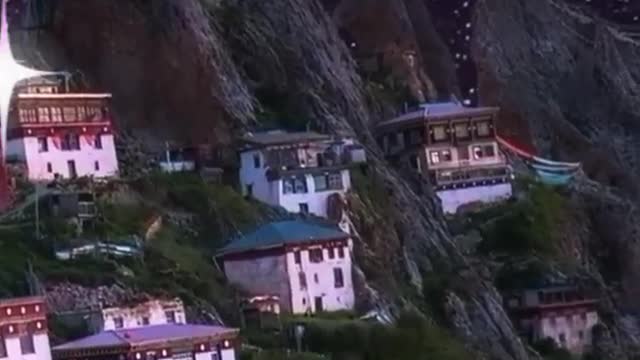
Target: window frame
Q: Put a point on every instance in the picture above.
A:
(338, 278)
(118, 322)
(316, 255)
(28, 347)
(43, 144)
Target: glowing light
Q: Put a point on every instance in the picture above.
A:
(11, 72)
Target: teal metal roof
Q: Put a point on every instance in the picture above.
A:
(277, 234)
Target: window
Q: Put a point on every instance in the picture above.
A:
(332, 253)
(82, 113)
(296, 257)
(341, 252)
(118, 322)
(295, 185)
(3, 348)
(316, 278)
(338, 279)
(43, 146)
(580, 334)
(43, 115)
(320, 182)
(56, 114)
(97, 141)
(69, 114)
(49, 168)
(96, 166)
(439, 133)
(26, 343)
(552, 321)
(315, 255)
(304, 208)
(335, 181)
(483, 128)
(70, 142)
(484, 151)
(145, 320)
(435, 157)
(462, 131)
(562, 338)
(302, 278)
(171, 316)
(256, 161)
(214, 356)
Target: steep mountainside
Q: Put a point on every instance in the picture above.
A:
(204, 70)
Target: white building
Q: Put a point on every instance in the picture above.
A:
(306, 265)
(62, 135)
(301, 172)
(152, 312)
(454, 147)
(561, 313)
(24, 325)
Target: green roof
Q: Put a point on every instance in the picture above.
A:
(277, 234)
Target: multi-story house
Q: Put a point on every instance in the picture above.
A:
(564, 314)
(162, 342)
(453, 146)
(303, 172)
(152, 312)
(24, 329)
(306, 265)
(55, 133)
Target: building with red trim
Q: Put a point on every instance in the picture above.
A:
(453, 146)
(23, 329)
(307, 266)
(154, 342)
(55, 133)
(564, 314)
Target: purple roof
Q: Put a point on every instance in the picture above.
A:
(144, 335)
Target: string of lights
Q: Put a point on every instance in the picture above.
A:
(453, 20)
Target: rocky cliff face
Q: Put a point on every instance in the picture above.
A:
(205, 70)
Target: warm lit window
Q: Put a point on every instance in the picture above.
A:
(26, 343)
(56, 114)
(43, 146)
(43, 115)
(315, 255)
(338, 279)
(440, 156)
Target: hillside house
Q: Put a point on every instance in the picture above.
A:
(58, 134)
(152, 312)
(302, 172)
(564, 314)
(306, 265)
(453, 146)
(166, 341)
(24, 329)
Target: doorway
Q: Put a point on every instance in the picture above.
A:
(318, 303)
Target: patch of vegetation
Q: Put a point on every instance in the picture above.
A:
(550, 350)
(523, 227)
(412, 337)
(279, 355)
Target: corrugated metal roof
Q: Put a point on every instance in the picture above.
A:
(144, 335)
(284, 232)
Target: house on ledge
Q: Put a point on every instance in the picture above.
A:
(151, 312)
(24, 329)
(307, 266)
(453, 146)
(303, 172)
(562, 313)
(57, 134)
(166, 342)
